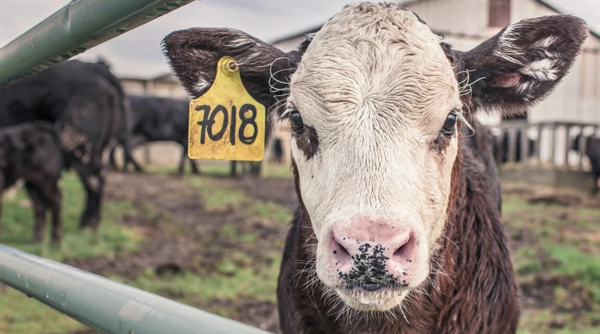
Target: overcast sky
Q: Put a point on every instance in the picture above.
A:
(137, 53)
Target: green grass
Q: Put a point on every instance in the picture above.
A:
(557, 247)
(585, 268)
(21, 315)
(218, 197)
(231, 281)
(111, 239)
(270, 211)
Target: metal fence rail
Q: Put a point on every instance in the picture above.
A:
(75, 28)
(107, 306)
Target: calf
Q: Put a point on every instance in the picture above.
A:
(592, 151)
(157, 119)
(31, 152)
(398, 228)
(84, 101)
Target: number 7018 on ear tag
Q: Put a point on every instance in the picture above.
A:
(226, 123)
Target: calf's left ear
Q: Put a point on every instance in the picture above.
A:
(521, 64)
(194, 53)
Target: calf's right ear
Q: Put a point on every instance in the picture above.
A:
(520, 65)
(194, 53)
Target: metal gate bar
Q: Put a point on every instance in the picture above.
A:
(107, 306)
(78, 26)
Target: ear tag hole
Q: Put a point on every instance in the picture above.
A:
(227, 123)
(230, 67)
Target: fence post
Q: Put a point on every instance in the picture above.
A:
(553, 145)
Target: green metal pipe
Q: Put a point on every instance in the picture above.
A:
(73, 29)
(105, 305)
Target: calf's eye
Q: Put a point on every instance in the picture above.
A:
(450, 124)
(297, 123)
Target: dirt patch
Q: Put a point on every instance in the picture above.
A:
(551, 196)
(177, 226)
(183, 236)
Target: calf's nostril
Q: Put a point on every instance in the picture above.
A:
(400, 251)
(340, 250)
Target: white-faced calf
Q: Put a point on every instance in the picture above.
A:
(399, 227)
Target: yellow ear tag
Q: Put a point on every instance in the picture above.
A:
(226, 123)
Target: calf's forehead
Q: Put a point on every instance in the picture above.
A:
(375, 55)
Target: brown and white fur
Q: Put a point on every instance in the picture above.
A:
(399, 227)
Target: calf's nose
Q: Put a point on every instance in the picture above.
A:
(371, 254)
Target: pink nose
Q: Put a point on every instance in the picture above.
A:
(373, 254)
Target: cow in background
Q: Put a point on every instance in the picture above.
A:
(85, 102)
(31, 152)
(156, 119)
(592, 151)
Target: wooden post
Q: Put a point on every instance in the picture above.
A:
(537, 148)
(553, 145)
(512, 144)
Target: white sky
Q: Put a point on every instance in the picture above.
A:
(137, 53)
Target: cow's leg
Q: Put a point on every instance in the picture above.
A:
(182, 161)
(132, 143)
(135, 164)
(255, 167)
(596, 188)
(1, 191)
(39, 209)
(53, 199)
(232, 168)
(194, 165)
(184, 157)
(112, 163)
(93, 181)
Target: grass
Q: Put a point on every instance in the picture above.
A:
(229, 282)
(557, 249)
(270, 211)
(21, 315)
(111, 239)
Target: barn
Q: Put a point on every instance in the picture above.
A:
(573, 107)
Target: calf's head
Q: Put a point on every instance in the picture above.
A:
(375, 102)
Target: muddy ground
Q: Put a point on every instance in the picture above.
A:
(192, 241)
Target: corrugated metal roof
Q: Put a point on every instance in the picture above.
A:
(589, 10)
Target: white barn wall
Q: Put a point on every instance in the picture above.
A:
(468, 17)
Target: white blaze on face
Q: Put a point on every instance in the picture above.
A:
(376, 87)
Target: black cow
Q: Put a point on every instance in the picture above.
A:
(592, 150)
(31, 152)
(84, 101)
(157, 119)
